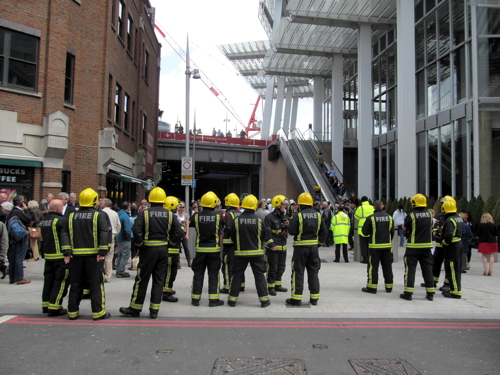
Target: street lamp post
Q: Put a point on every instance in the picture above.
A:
(196, 75)
(226, 121)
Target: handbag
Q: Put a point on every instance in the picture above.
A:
(135, 262)
(474, 242)
(35, 233)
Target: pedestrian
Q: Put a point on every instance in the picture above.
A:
(487, 233)
(262, 210)
(232, 203)
(320, 159)
(4, 241)
(209, 228)
(20, 219)
(115, 226)
(327, 215)
(341, 227)
(153, 230)
(378, 228)
(124, 240)
(399, 219)
(248, 236)
(56, 251)
(466, 237)
(143, 206)
(331, 173)
(73, 202)
(452, 245)
(351, 212)
(3, 198)
(90, 238)
(36, 217)
(362, 212)
(418, 230)
(174, 249)
(309, 232)
(276, 234)
(438, 256)
(183, 218)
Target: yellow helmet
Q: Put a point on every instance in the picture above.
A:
(88, 198)
(419, 200)
(278, 200)
(250, 202)
(447, 198)
(232, 200)
(209, 200)
(170, 203)
(449, 207)
(305, 199)
(157, 195)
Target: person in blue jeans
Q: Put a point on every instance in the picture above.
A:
(399, 219)
(124, 239)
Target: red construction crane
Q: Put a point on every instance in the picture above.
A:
(253, 125)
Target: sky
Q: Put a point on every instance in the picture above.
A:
(209, 24)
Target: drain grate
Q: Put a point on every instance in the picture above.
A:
(256, 366)
(320, 346)
(164, 351)
(375, 366)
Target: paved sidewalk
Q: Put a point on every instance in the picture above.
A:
(340, 298)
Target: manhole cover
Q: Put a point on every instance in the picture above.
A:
(112, 351)
(256, 366)
(320, 346)
(324, 261)
(382, 367)
(164, 351)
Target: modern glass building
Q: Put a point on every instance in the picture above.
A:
(409, 90)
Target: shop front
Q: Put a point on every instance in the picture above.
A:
(16, 177)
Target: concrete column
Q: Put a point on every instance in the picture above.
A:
(288, 107)
(268, 108)
(337, 115)
(295, 107)
(278, 112)
(365, 154)
(406, 113)
(319, 95)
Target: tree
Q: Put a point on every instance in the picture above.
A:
(431, 202)
(437, 206)
(462, 204)
(478, 209)
(388, 207)
(496, 212)
(489, 205)
(407, 206)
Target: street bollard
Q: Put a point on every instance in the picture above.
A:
(357, 251)
(395, 248)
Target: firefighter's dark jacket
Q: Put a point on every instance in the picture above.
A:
(209, 226)
(229, 216)
(55, 236)
(275, 229)
(156, 226)
(89, 232)
(418, 229)
(308, 228)
(379, 227)
(453, 228)
(248, 235)
(438, 229)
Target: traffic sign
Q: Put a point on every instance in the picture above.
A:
(186, 171)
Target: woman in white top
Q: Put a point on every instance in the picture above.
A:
(399, 219)
(183, 218)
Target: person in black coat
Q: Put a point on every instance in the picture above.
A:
(487, 231)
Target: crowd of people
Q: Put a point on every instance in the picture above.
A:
(83, 241)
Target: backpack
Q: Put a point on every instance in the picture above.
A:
(17, 229)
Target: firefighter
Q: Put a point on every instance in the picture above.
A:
(438, 257)
(248, 236)
(418, 228)
(276, 233)
(209, 228)
(54, 228)
(174, 250)
(232, 202)
(90, 241)
(453, 228)
(379, 229)
(341, 227)
(362, 212)
(154, 228)
(310, 231)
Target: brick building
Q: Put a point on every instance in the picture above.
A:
(79, 87)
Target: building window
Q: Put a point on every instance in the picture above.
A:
(137, 46)
(130, 29)
(69, 78)
(113, 12)
(126, 112)
(133, 120)
(110, 97)
(118, 93)
(18, 60)
(144, 128)
(121, 17)
(146, 64)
